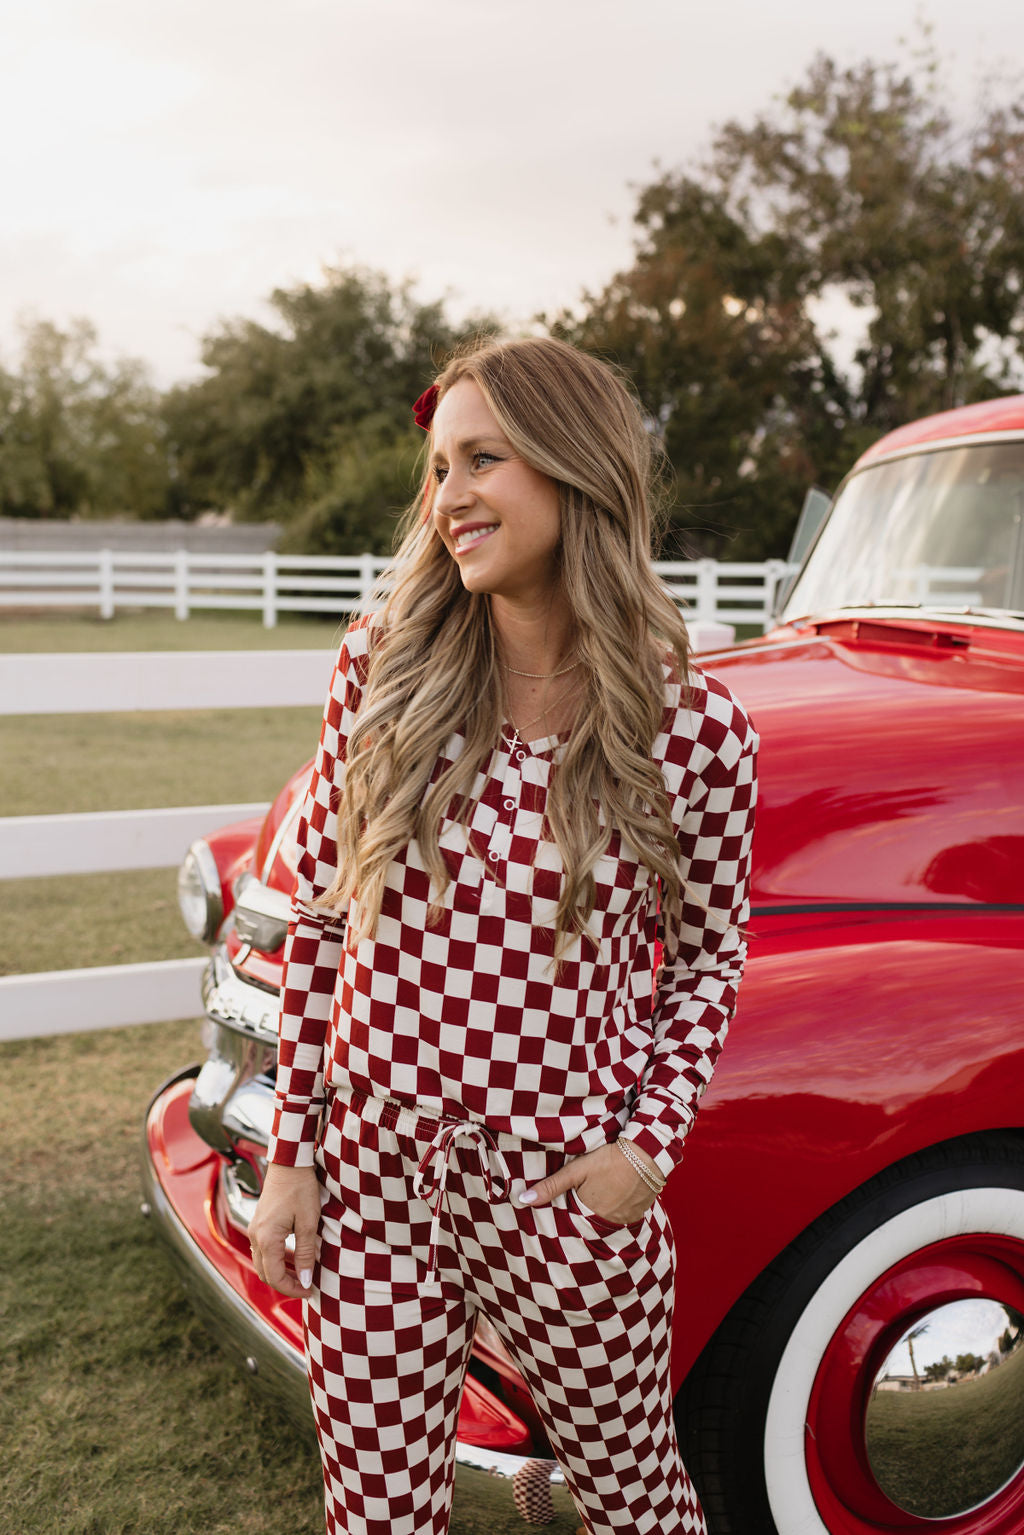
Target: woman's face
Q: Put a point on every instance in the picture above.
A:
(498, 517)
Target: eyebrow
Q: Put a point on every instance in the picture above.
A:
(469, 443)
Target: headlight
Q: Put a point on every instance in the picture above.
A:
(199, 897)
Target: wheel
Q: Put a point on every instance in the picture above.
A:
(829, 1401)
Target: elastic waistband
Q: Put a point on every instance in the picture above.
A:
(421, 1123)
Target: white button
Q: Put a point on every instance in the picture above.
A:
(510, 804)
(493, 855)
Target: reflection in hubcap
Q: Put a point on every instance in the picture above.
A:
(945, 1421)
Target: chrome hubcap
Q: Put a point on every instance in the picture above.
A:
(945, 1419)
(916, 1416)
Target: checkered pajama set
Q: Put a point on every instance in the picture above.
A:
(454, 1066)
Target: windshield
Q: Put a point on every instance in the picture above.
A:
(938, 529)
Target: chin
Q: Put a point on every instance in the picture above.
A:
(477, 580)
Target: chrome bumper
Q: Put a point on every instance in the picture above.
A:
(239, 1330)
(483, 1478)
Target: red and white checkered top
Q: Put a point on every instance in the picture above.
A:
(470, 1017)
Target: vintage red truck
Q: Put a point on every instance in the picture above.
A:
(849, 1345)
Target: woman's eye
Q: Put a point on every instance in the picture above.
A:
(478, 460)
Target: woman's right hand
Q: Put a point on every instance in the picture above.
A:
(288, 1206)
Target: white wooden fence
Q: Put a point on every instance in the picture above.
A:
(733, 593)
(59, 1002)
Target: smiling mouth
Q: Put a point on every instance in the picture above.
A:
(473, 536)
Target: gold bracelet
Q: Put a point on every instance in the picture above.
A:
(640, 1167)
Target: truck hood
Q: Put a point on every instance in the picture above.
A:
(891, 765)
(892, 755)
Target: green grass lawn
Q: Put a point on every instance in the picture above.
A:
(78, 762)
(119, 1415)
(938, 1453)
(63, 630)
(68, 923)
(89, 762)
(70, 629)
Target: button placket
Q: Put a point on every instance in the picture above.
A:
(501, 835)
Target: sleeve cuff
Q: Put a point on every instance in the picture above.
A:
(665, 1157)
(292, 1140)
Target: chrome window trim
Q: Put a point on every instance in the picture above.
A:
(940, 444)
(967, 618)
(911, 450)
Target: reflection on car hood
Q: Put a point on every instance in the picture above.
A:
(890, 762)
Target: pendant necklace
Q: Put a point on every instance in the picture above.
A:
(519, 737)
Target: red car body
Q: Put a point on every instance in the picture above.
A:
(858, 1165)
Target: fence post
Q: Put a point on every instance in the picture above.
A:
(270, 590)
(181, 584)
(367, 578)
(707, 589)
(106, 573)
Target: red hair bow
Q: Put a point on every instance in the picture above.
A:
(423, 410)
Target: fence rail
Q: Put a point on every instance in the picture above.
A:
(110, 840)
(57, 1002)
(106, 997)
(271, 584)
(97, 682)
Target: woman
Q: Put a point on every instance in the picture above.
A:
(522, 787)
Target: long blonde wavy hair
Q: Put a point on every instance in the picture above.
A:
(436, 668)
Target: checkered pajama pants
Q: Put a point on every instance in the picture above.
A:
(583, 1307)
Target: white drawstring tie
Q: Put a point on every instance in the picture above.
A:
(431, 1178)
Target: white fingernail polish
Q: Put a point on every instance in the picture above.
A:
(528, 1196)
(306, 1278)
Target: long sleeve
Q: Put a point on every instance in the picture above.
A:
(315, 939)
(696, 991)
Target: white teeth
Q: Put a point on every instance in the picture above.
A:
(462, 539)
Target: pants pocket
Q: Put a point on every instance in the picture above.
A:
(602, 1226)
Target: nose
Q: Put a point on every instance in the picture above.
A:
(453, 494)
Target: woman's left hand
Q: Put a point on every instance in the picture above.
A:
(607, 1185)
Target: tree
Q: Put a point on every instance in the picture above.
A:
(79, 437)
(860, 183)
(352, 499)
(298, 422)
(917, 218)
(711, 326)
(25, 488)
(939, 1369)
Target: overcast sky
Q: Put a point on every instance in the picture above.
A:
(164, 166)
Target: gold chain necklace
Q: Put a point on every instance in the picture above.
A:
(542, 676)
(519, 737)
